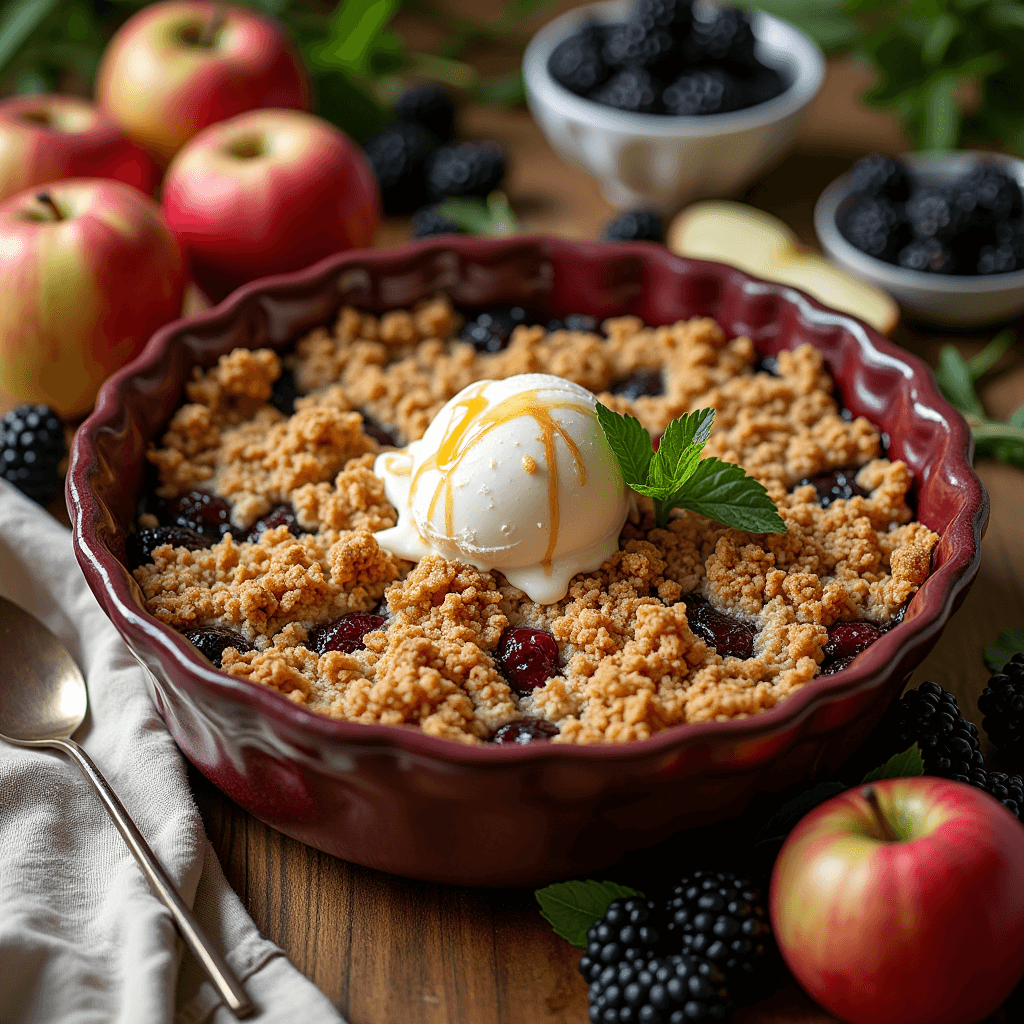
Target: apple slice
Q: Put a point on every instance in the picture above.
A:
(761, 244)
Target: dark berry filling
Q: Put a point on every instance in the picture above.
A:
(576, 322)
(643, 382)
(767, 364)
(835, 484)
(205, 513)
(382, 435)
(490, 331)
(526, 730)
(140, 546)
(282, 515)
(637, 226)
(284, 393)
(213, 641)
(345, 634)
(845, 641)
(527, 657)
(729, 636)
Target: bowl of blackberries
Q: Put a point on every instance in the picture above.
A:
(942, 232)
(668, 101)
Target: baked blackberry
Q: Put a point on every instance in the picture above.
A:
(31, 449)
(431, 107)
(465, 169)
(525, 730)
(1002, 704)
(834, 485)
(928, 255)
(643, 382)
(723, 919)
(874, 226)
(139, 546)
(213, 641)
(986, 196)
(577, 62)
(398, 156)
(205, 513)
(666, 990)
(636, 45)
(930, 717)
(933, 213)
(490, 331)
(710, 91)
(635, 226)
(280, 515)
(429, 221)
(725, 39)
(632, 89)
(1007, 789)
(631, 928)
(284, 393)
(881, 177)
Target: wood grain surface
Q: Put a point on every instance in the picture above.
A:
(387, 950)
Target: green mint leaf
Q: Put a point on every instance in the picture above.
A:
(957, 382)
(572, 907)
(980, 364)
(900, 766)
(630, 444)
(942, 115)
(682, 438)
(723, 492)
(1010, 642)
(784, 820)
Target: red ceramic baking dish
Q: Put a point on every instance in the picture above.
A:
(413, 804)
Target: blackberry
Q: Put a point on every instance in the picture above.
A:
(933, 213)
(197, 510)
(930, 717)
(668, 990)
(845, 641)
(429, 221)
(635, 45)
(723, 918)
(431, 107)
(1007, 789)
(577, 62)
(31, 449)
(213, 641)
(881, 177)
(987, 196)
(1002, 704)
(281, 515)
(526, 730)
(139, 546)
(997, 259)
(465, 169)
(636, 226)
(1011, 233)
(399, 156)
(344, 634)
(643, 382)
(633, 90)
(490, 331)
(928, 255)
(576, 322)
(631, 928)
(284, 393)
(834, 484)
(700, 92)
(761, 86)
(675, 15)
(725, 39)
(874, 226)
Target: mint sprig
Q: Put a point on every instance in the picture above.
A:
(572, 907)
(676, 476)
(1010, 642)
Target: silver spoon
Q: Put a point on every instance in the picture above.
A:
(42, 703)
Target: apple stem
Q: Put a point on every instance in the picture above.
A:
(211, 28)
(883, 823)
(47, 200)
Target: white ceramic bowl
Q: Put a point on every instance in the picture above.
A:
(664, 162)
(947, 300)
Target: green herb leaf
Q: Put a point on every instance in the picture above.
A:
(784, 820)
(572, 907)
(907, 764)
(956, 381)
(18, 22)
(492, 216)
(1010, 642)
(980, 364)
(723, 492)
(630, 443)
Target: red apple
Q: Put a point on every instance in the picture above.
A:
(267, 192)
(88, 271)
(903, 903)
(47, 137)
(176, 67)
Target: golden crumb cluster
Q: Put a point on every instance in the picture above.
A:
(629, 663)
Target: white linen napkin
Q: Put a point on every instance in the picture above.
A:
(82, 939)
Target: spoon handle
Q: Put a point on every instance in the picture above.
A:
(213, 963)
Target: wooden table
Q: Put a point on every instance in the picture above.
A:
(388, 950)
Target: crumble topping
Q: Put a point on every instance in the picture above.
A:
(629, 662)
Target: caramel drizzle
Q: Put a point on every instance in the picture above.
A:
(476, 422)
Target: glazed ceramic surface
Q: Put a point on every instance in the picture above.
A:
(402, 801)
(947, 300)
(663, 162)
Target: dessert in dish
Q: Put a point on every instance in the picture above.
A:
(259, 541)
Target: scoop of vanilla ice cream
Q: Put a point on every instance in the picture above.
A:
(514, 475)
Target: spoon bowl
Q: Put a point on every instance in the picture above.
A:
(43, 700)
